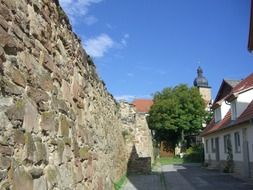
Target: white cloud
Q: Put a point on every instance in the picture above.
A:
(130, 98)
(78, 8)
(89, 20)
(99, 45)
(123, 41)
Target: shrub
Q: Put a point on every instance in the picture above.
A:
(194, 154)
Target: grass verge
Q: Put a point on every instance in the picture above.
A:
(119, 184)
(170, 160)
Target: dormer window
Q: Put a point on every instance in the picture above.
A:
(217, 114)
(233, 110)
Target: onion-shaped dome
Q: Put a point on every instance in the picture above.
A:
(200, 80)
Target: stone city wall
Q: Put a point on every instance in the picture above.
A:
(138, 139)
(59, 127)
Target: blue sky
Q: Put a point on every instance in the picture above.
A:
(143, 46)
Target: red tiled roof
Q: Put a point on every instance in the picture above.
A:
(246, 115)
(226, 122)
(245, 84)
(213, 127)
(142, 105)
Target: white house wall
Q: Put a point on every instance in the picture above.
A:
(250, 140)
(224, 109)
(243, 101)
(236, 156)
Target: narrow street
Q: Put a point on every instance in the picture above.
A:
(185, 177)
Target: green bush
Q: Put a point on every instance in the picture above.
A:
(194, 154)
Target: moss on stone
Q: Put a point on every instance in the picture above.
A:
(64, 127)
(67, 141)
(30, 146)
(51, 175)
(20, 104)
(84, 153)
(60, 149)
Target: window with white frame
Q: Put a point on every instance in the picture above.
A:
(217, 114)
(227, 143)
(237, 142)
(233, 110)
(212, 145)
(207, 148)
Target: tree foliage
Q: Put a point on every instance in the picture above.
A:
(176, 111)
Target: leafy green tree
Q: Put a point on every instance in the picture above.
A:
(176, 113)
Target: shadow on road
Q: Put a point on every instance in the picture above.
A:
(178, 177)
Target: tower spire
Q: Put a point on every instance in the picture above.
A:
(200, 80)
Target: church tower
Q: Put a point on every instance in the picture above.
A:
(202, 84)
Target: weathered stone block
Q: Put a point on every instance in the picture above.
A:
(75, 148)
(37, 95)
(47, 122)
(31, 117)
(67, 154)
(27, 59)
(60, 105)
(77, 172)
(17, 111)
(72, 114)
(52, 176)
(8, 43)
(9, 89)
(84, 153)
(40, 184)
(74, 90)
(89, 171)
(48, 63)
(46, 83)
(29, 148)
(17, 31)
(11, 4)
(3, 23)
(67, 141)
(64, 127)
(80, 103)
(60, 149)
(5, 12)
(5, 102)
(3, 175)
(57, 75)
(40, 153)
(5, 162)
(18, 78)
(22, 180)
(19, 137)
(5, 185)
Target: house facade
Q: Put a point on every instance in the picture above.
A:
(228, 138)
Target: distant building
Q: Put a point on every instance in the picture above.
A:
(202, 84)
(142, 105)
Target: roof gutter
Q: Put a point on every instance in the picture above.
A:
(227, 127)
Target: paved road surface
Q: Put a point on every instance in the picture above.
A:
(185, 177)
